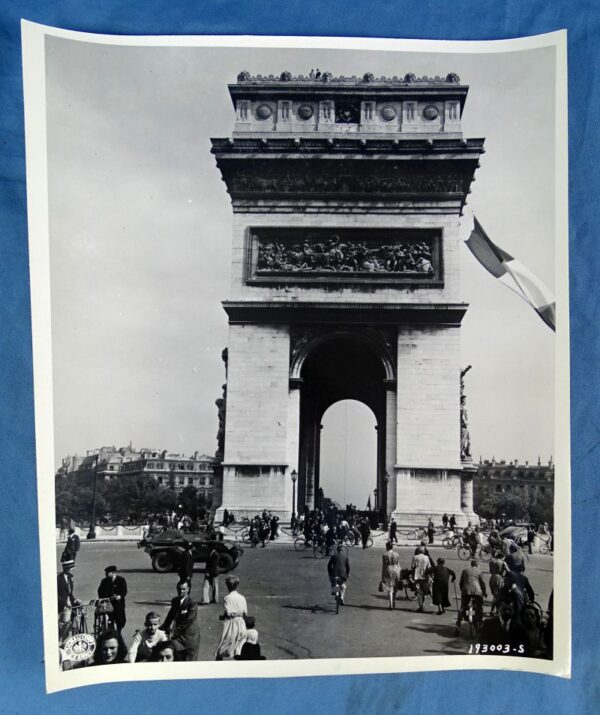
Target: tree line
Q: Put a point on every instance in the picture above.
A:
(129, 498)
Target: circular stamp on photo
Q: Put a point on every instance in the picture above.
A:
(80, 646)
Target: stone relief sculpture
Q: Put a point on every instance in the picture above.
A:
(332, 254)
(465, 438)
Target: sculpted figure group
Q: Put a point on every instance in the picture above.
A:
(333, 254)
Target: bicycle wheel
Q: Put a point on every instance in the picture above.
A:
(414, 534)
(485, 554)
(464, 554)
(369, 542)
(448, 543)
(246, 536)
(349, 540)
(544, 548)
(320, 552)
(300, 543)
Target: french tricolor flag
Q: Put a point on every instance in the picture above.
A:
(512, 273)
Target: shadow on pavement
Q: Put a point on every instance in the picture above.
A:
(152, 603)
(313, 609)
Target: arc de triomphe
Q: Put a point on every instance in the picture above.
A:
(345, 284)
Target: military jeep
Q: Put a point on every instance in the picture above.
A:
(164, 548)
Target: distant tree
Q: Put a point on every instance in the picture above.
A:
(542, 510)
(509, 505)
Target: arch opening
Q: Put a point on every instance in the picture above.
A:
(340, 368)
(348, 454)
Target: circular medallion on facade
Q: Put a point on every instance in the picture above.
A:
(305, 111)
(80, 647)
(431, 112)
(263, 111)
(388, 113)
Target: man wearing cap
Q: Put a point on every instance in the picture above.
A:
(115, 588)
(66, 599)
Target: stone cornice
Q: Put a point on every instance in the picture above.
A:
(338, 147)
(447, 314)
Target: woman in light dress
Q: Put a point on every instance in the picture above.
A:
(390, 573)
(233, 636)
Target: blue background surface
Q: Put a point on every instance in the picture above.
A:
(21, 667)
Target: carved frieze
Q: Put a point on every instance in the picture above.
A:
(336, 178)
(344, 254)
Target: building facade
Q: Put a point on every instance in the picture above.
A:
(531, 482)
(170, 470)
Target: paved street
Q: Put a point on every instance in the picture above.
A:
(288, 593)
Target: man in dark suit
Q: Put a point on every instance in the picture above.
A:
(66, 599)
(505, 632)
(115, 588)
(71, 547)
(185, 563)
(181, 624)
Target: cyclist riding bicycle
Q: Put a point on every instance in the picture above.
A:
(338, 566)
(472, 587)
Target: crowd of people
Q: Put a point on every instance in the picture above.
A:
(176, 637)
(515, 621)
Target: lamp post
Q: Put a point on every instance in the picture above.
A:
(294, 476)
(92, 532)
(375, 493)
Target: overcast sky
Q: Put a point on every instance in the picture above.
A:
(140, 231)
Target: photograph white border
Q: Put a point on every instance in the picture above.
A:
(33, 38)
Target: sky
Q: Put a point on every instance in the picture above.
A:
(140, 246)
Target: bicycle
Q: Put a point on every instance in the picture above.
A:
(544, 546)
(406, 583)
(473, 615)
(103, 616)
(320, 549)
(339, 590)
(450, 542)
(78, 620)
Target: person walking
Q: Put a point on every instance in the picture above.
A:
(393, 530)
(421, 566)
(114, 587)
(233, 635)
(390, 573)
(66, 599)
(439, 589)
(210, 587)
(530, 538)
(515, 561)
(181, 624)
(71, 547)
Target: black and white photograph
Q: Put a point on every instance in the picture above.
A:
(300, 331)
